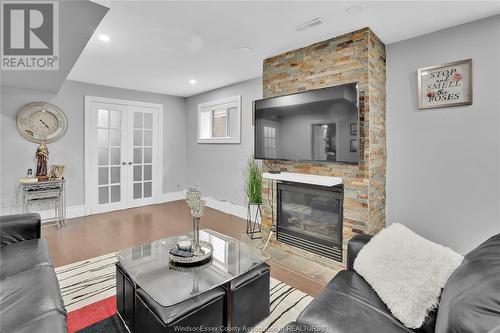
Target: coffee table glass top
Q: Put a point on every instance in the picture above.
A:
(149, 266)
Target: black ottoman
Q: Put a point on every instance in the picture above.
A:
(249, 298)
(125, 296)
(202, 313)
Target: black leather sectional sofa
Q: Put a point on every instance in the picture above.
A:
(470, 301)
(30, 299)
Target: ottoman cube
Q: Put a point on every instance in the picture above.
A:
(202, 313)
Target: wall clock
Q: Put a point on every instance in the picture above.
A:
(41, 122)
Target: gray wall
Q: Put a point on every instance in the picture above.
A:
(17, 154)
(218, 168)
(443, 165)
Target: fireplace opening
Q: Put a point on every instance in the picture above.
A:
(310, 217)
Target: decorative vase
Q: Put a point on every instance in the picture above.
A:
(197, 206)
(196, 248)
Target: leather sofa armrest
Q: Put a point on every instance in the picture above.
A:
(20, 227)
(354, 246)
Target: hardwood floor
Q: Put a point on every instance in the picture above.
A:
(95, 235)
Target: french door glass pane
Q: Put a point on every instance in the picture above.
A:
(115, 175)
(138, 137)
(109, 156)
(148, 190)
(148, 138)
(102, 156)
(115, 193)
(115, 156)
(102, 118)
(103, 195)
(148, 155)
(137, 173)
(103, 176)
(137, 155)
(148, 172)
(148, 121)
(115, 119)
(102, 137)
(143, 155)
(137, 190)
(138, 120)
(115, 137)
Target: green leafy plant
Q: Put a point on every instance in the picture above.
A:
(253, 182)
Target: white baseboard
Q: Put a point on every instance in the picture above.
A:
(172, 196)
(79, 210)
(226, 207)
(71, 212)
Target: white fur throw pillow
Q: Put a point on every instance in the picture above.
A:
(407, 272)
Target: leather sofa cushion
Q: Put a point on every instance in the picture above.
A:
(349, 304)
(23, 256)
(30, 296)
(171, 314)
(470, 298)
(18, 228)
(51, 322)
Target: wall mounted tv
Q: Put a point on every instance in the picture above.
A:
(317, 125)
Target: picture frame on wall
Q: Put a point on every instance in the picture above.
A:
(353, 146)
(445, 85)
(353, 129)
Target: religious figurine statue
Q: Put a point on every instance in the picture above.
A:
(42, 156)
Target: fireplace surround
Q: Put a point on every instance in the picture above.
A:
(310, 217)
(358, 56)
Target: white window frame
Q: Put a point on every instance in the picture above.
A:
(225, 103)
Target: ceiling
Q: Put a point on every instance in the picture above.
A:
(158, 46)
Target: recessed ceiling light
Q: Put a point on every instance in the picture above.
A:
(247, 48)
(104, 38)
(355, 9)
(192, 81)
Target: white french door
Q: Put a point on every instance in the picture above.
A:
(122, 152)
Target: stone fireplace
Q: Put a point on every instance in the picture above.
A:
(359, 57)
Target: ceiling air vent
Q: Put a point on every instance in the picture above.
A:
(309, 24)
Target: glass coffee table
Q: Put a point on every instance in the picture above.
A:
(150, 269)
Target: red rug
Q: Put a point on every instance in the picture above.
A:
(96, 317)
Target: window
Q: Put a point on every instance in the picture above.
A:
(220, 121)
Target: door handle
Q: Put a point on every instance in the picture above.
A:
(130, 163)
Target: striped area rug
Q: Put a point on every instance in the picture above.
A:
(90, 284)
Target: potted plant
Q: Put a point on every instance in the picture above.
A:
(253, 190)
(253, 183)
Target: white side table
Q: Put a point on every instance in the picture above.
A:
(49, 194)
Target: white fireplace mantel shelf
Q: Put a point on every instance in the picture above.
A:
(303, 178)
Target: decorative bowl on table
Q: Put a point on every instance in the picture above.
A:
(194, 260)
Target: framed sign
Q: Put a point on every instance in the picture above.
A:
(445, 85)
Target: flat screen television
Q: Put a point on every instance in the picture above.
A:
(317, 125)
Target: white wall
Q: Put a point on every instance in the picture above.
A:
(17, 154)
(443, 165)
(218, 168)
